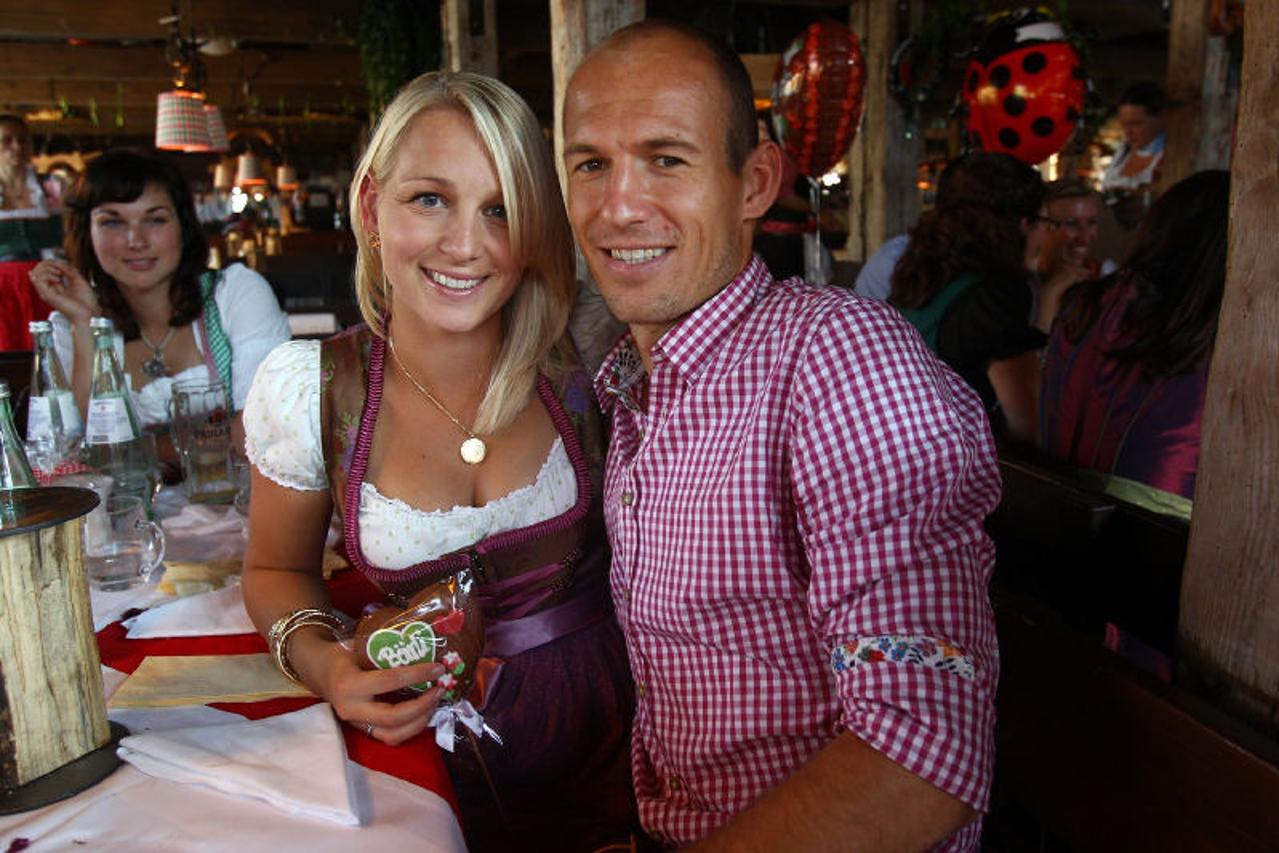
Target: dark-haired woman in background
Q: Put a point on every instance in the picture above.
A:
(1127, 364)
(964, 283)
(138, 256)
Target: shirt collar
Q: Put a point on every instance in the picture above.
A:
(690, 342)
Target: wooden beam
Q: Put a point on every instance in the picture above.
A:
(469, 44)
(883, 164)
(1220, 104)
(124, 64)
(1229, 629)
(762, 68)
(1187, 50)
(308, 22)
(24, 95)
(576, 27)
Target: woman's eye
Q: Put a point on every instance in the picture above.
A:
(428, 199)
(497, 211)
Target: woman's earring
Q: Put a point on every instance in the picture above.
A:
(375, 240)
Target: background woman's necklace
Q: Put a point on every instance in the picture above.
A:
(473, 449)
(155, 366)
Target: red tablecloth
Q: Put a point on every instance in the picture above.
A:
(19, 304)
(417, 761)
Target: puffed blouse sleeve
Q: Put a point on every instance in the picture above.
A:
(282, 417)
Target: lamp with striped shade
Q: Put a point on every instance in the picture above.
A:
(180, 122)
(217, 129)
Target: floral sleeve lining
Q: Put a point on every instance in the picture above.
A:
(903, 649)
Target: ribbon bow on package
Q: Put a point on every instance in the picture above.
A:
(446, 717)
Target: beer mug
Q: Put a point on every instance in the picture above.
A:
(201, 430)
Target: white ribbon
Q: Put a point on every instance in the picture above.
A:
(446, 716)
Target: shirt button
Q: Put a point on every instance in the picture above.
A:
(674, 783)
(640, 691)
(628, 497)
(626, 594)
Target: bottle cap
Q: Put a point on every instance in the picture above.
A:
(35, 327)
(101, 323)
(4, 388)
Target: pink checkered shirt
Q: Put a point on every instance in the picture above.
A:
(796, 522)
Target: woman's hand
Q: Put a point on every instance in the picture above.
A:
(61, 285)
(331, 671)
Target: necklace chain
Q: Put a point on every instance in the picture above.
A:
(473, 449)
(155, 366)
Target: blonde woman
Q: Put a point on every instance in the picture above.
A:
(21, 196)
(456, 429)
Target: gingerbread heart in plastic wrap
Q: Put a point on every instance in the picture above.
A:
(441, 624)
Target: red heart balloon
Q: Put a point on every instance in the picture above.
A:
(817, 96)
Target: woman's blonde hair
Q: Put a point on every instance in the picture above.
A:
(534, 320)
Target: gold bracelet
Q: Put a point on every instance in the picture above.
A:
(283, 628)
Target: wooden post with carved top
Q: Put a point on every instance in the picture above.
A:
(51, 706)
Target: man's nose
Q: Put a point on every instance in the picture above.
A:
(625, 196)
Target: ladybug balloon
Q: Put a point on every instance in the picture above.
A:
(817, 96)
(1024, 88)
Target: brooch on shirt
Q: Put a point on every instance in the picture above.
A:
(625, 378)
(903, 649)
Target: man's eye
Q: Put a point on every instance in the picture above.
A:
(666, 161)
(593, 164)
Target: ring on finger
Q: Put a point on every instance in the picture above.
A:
(368, 729)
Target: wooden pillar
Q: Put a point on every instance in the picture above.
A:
(470, 35)
(1201, 122)
(883, 163)
(1229, 631)
(576, 27)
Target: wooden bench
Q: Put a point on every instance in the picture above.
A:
(1102, 756)
(1092, 752)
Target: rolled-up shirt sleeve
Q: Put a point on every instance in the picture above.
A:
(894, 472)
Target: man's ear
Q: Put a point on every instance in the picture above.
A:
(368, 202)
(763, 178)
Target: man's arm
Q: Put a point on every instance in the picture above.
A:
(897, 474)
(847, 798)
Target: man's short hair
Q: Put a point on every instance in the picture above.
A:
(1067, 188)
(742, 130)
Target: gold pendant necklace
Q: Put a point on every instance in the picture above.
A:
(473, 449)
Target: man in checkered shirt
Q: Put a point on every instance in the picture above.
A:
(795, 491)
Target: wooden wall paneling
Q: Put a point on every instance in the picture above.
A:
(1229, 630)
